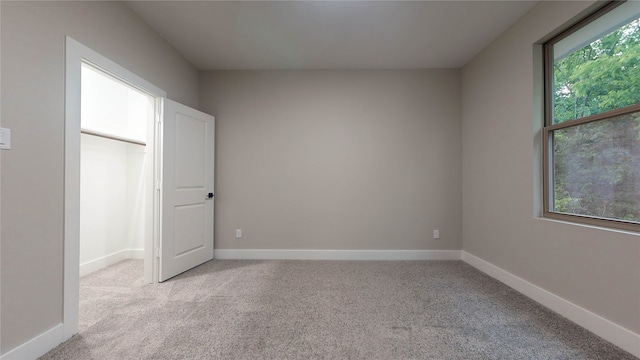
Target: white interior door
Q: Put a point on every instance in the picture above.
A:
(187, 189)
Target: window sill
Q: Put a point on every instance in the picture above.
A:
(573, 220)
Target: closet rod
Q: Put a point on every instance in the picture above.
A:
(112, 137)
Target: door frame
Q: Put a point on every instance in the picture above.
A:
(75, 54)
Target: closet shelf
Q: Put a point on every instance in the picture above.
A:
(112, 137)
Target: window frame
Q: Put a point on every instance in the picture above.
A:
(549, 127)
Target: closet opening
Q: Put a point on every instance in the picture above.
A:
(116, 173)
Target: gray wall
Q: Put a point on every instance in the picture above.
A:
(502, 108)
(33, 38)
(336, 159)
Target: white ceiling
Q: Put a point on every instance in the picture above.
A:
(329, 34)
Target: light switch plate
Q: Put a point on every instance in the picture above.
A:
(5, 138)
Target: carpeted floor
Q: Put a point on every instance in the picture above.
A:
(319, 310)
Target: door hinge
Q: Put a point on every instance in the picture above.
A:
(158, 253)
(158, 185)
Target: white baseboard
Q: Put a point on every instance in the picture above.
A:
(606, 329)
(101, 263)
(37, 346)
(135, 254)
(267, 254)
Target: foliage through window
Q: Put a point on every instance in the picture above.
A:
(592, 126)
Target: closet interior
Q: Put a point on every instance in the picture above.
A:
(116, 171)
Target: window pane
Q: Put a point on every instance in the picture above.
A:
(597, 168)
(601, 76)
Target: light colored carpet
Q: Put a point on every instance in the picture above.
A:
(319, 310)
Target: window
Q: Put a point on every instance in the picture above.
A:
(592, 120)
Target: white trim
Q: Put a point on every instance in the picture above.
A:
(283, 254)
(37, 346)
(606, 329)
(102, 262)
(75, 54)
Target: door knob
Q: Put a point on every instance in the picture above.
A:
(209, 196)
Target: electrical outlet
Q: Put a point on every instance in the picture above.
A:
(5, 139)
(436, 234)
(238, 233)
